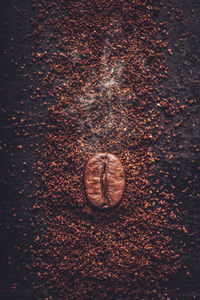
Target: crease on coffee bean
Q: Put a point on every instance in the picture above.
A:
(106, 202)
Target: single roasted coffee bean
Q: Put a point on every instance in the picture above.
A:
(104, 180)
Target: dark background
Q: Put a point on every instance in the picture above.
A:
(17, 163)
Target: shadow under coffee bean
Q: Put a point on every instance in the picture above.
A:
(104, 180)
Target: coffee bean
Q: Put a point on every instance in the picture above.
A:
(104, 180)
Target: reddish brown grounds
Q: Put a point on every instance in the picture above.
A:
(101, 63)
(104, 180)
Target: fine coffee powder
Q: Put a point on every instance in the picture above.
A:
(100, 67)
(104, 180)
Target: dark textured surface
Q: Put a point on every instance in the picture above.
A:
(183, 82)
(181, 151)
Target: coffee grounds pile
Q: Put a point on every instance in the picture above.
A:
(102, 64)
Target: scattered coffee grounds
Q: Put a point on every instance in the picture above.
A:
(101, 62)
(103, 117)
(104, 180)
